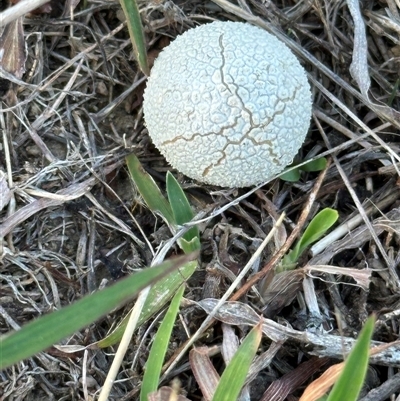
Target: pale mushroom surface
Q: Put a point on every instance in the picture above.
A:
(227, 104)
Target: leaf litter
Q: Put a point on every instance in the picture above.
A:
(71, 111)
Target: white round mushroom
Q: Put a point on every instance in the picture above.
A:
(227, 104)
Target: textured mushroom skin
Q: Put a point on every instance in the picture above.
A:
(228, 104)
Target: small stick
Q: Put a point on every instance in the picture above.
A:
(21, 8)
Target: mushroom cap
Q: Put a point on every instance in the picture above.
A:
(227, 104)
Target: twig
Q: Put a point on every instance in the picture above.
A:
(20, 9)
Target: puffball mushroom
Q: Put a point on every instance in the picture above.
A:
(227, 104)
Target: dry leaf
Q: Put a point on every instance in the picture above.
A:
(281, 291)
(230, 343)
(361, 276)
(320, 386)
(206, 376)
(5, 193)
(12, 48)
(359, 63)
(280, 389)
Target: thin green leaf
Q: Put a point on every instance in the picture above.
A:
(291, 176)
(47, 330)
(136, 34)
(394, 92)
(189, 246)
(181, 210)
(149, 190)
(351, 380)
(178, 201)
(315, 165)
(159, 348)
(160, 293)
(234, 375)
(318, 226)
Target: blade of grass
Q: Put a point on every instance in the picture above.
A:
(351, 380)
(182, 214)
(318, 226)
(163, 290)
(294, 174)
(47, 330)
(291, 176)
(160, 293)
(136, 34)
(234, 375)
(149, 190)
(315, 165)
(159, 348)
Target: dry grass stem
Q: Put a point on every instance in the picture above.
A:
(21, 8)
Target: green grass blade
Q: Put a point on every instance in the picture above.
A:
(47, 330)
(394, 92)
(351, 380)
(318, 226)
(234, 375)
(136, 34)
(182, 213)
(160, 293)
(159, 348)
(149, 190)
(163, 290)
(190, 246)
(294, 174)
(315, 165)
(291, 176)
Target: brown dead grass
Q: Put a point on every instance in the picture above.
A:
(71, 221)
